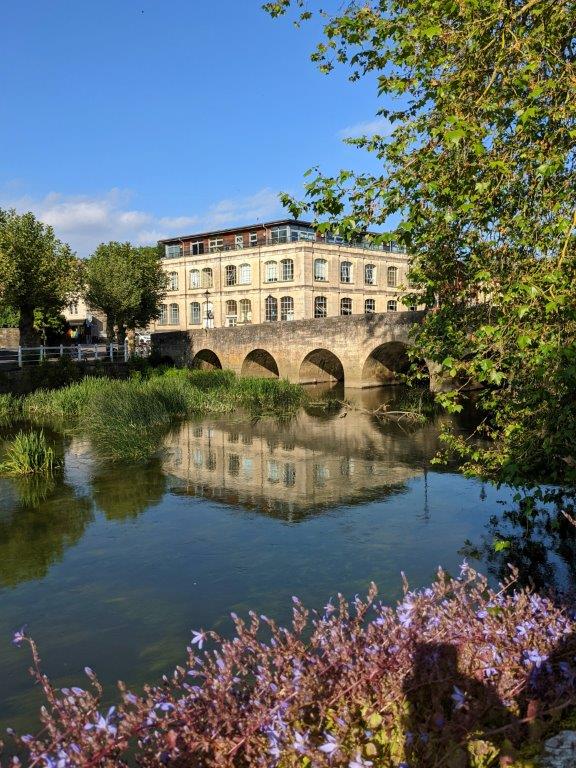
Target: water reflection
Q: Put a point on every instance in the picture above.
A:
(124, 491)
(319, 460)
(537, 537)
(39, 520)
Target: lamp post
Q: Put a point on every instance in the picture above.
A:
(208, 317)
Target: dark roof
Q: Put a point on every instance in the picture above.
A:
(232, 230)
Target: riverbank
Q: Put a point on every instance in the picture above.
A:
(125, 418)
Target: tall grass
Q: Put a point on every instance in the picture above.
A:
(10, 409)
(28, 454)
(126, 418)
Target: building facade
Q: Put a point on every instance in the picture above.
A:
(279, 271)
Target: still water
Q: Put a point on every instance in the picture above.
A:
(117, 563)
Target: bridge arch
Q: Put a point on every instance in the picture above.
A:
(384, 363)
(260, 363)
(320, 366)
(206, 360)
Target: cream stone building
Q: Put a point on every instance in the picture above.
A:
(278, 271)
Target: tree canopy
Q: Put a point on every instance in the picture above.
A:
(126, 283)
(477, 157)
(38, 273)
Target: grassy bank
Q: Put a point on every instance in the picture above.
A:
(126, 418)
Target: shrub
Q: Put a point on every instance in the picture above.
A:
(454, 675)
(27, 454)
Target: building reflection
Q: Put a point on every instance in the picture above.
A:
(314, 462)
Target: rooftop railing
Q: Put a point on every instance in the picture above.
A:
(189, 250)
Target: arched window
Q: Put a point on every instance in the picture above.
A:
(392, 276)
(286, 308)
(369, 306)
(230, 275)
(271, 309)
(346, 306)
(270, 272)
(194, 278)
(346, 272)
(287, 269)
(370, 274)
(207, 278)
(320, 306)
(195, 316)
(174, 314)
(231, 313)
(320, 269)
(172, 281)
(392, 305)
(244, 274)
(163, 317)
(245, 311)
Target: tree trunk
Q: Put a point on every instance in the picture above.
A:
(121, 333)
(28, 335)
(110, 328)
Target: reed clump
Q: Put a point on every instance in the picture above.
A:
(29, 454)
(127, 418)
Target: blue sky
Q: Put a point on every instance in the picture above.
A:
(136, 119)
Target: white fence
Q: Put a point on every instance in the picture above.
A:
(21, 356)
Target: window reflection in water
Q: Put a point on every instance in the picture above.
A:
(280, 465)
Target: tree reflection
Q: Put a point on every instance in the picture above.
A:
(536, 536)
(124, 491)
(47, 519)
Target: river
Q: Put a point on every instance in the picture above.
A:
(115, 564)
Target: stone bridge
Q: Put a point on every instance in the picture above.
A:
(359, 350)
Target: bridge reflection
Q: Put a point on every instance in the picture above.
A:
(314, 462)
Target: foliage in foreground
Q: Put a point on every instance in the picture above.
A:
(456, 674)
(29, 454)
(475, 148)
(126, 419)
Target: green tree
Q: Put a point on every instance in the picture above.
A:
(126, 283)
(38, 273)
(478, 100)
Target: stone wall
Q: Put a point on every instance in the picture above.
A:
(362, 350)
(9, 337)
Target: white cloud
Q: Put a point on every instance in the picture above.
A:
(379, 126)
(84, 221)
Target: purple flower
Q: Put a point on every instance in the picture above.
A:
(359, 762)
(534, 657)
(104, 724)
(19, 636)
(198, 638)
(458, 697)
(330, 746)
(404, 613)
(300, 743)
